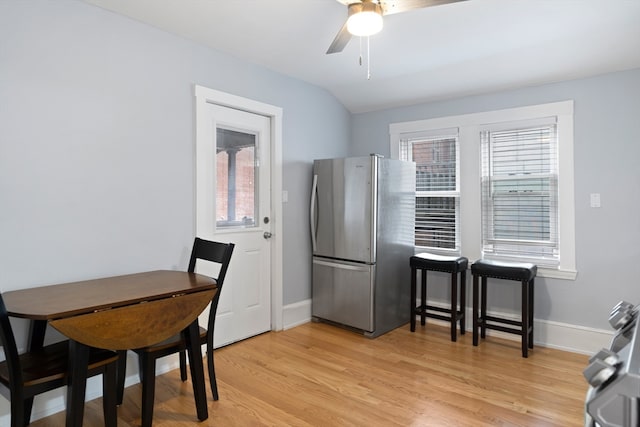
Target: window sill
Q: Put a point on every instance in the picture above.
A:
(555, 273)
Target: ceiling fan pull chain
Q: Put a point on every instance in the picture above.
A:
(360, 57)
(368, 60)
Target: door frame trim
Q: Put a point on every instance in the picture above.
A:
(203, 96)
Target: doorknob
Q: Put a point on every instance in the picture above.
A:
(267, 235)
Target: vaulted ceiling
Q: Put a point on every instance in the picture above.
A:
(446, 51)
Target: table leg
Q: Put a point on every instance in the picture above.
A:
(121, 372)
(78, 364)
(197, 370)
(37, 329)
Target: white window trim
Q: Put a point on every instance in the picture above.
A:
(469, 126)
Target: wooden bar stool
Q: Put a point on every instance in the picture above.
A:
(524, 273)
(447, 264)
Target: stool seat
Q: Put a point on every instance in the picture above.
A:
(504, 270)
(433, 262)
(453, 265)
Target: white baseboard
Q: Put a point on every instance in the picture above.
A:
(296, 314)
(547, 333)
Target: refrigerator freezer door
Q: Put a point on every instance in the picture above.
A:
(343, 293)
(343, 208)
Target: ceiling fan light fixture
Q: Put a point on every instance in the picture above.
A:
(365, 19)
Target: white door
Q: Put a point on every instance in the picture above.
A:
(234, 205)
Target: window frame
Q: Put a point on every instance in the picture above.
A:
(469, 128)
(433, 136)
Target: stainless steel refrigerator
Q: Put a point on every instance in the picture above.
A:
(362, 217)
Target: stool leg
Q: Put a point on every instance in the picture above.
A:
(423, 300)
(525, 318)
(531, 313)
(412, 318)
(483, 307)
(475, 309)
(463, 300)
(454, 304)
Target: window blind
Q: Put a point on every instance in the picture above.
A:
(520, 193)
(437, 189)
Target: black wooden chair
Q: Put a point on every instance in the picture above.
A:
(205, 250)
(29, 374)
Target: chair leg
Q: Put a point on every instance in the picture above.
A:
(212, 370)
(476, 296)
(183, 365)
(412, 318)
(454, 305)
(148, 373)
(110, 394)
(423, 297)
(26, 409)
(463, 301)
(121, 375)
(192, 338)
(525, 318)
(18, 412)
(483, 307)
(531, 312)
(77, 383)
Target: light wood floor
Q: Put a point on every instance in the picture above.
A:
(320, 375)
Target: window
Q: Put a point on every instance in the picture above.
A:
(235, 182)
(513, 197)
(437, 188)
(520, 192)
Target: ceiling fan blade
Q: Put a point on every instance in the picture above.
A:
(389, 7)
(341, 40)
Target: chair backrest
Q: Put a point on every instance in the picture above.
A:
(214, 252)
(8, 341)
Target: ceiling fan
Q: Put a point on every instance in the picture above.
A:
(365, 17)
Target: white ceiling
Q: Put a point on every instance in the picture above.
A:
(447, 51)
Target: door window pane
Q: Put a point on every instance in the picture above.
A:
(236, 185)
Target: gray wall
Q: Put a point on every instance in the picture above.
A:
(97, 144)
(606, 153)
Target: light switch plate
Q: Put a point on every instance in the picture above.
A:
(595, 200)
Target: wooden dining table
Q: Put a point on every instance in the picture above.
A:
(117, 313)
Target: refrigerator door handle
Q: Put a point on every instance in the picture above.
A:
(343, 266)
(312, 211)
